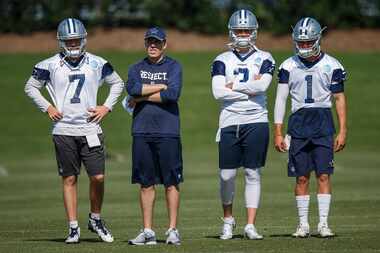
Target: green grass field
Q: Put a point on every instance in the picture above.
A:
(31, 210)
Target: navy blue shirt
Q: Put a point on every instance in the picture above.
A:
(150, 118)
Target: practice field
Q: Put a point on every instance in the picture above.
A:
(31, 210)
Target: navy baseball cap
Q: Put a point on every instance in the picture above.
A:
(155, 32)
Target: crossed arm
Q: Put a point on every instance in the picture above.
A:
(149, 92)
(157, 93)
(239, 91)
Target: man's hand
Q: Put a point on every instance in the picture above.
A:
(257, 77)
(340, 142)
(164, 86)
(132, 103)
(229, 85)
(279, 143)
(53, 113)
(97, 114)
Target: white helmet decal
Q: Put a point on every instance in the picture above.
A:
(242, 20)
(307, 29)
(68, 29)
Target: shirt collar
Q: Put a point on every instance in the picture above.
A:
(70, 63)
(162, 61)
(309, 64)
(246, 56)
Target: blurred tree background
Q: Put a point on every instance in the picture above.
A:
(204, 16)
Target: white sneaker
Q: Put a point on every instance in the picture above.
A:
(228, 226)
(303, 231)
(99, 227)
(74, 234)
(324, 230)
(173, 237)
(251, 233)
(146, 237)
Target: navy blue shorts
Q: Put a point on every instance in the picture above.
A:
(306, 155)
(243, 145)
(156, 160)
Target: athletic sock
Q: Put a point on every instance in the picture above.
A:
(95, 216)
(324, 207)
(73, 224)
(303, 208)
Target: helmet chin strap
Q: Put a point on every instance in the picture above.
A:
(73, 53)
(308, 52)
(234, 45)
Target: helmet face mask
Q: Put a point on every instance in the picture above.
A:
(242, 27)
(243, 41)
(305, 52)
(68, 31)
(307, 30)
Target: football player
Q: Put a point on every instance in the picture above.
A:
(312, 78)
(72, 78)
(240, 78)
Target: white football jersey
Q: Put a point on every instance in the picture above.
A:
(73, 90)
(311, 84)
(242, 69)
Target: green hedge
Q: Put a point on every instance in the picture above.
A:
(205, 16)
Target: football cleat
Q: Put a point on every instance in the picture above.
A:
(303, 231)
(173, 237)
(250, 233)
(228, 227)
(146, 237)
(324, 230)
(74, 234)
(98, 226)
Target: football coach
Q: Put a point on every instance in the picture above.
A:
(155, 83)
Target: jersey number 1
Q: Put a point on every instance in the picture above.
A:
(80, 78)
(309, 81)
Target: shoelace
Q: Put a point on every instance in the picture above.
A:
(100, 224)
(172, 231)
(73, 232)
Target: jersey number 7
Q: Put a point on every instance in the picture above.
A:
(80, 78)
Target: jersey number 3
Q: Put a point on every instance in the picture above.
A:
(309, 84)
(245, 73)
(80, 78)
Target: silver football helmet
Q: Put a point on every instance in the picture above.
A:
(307, 29)
(68, 29)
(242, 20)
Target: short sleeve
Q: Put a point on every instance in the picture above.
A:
(107, 70)
(337, 80)
(283, 76)
(218, 68)
(267, 67)
(41, 74)
(338, 76)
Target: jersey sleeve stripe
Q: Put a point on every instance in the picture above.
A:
(218, 68)
(337, 88)
(338, 76)
(107, 70)
(283, 76)
(267, 67)
(41, 74)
